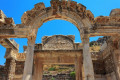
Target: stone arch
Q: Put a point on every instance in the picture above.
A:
(63, 10)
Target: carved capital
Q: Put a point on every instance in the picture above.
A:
(31, 40)
(86, 30)
(85, 38)
(85, 35)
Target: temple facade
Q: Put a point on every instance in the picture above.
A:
(60, 49)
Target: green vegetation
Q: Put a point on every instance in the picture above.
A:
(51, 69)
(72, 74)
(52, 78)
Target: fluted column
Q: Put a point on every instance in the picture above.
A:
(87, 60)
(27, 75)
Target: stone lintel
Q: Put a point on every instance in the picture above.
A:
(57, 56)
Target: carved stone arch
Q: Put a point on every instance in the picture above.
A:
(39, 15)
(65, 10)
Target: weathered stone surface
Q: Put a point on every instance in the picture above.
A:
(2, 16)
(115, 12)
(104, 63)
(58, 42)
(84, 21)
(90, 16)
(39, 6)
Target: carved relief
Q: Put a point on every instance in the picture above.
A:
(90, 16)
(58, 42)
(31, 39)
(113, 19)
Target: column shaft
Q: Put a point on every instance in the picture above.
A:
(87, 60)
(28, 68)
(116, 59)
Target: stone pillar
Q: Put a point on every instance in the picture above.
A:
(38, 74)
(12, 70)
(115, 51)
(28, 68)
(78, 68)
(118, 64)
(87, 60)
(116, 59)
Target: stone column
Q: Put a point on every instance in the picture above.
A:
(118, 64)
(12, 70)
(115, 51)
(28, 68)
(78, 68)
(87, 60)
(116, 59)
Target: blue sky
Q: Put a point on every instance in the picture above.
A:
(16, 8)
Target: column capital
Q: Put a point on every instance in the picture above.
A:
(85, 34)
(31, 39)
(85, 38)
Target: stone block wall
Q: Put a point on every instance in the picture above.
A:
(4, 70)
(3, 73)
(58, 77)
(19, 67)
(111, 76)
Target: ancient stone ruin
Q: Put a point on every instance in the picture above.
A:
(90, 64)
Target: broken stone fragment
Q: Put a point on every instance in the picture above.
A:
(39, 6)
(115, 12)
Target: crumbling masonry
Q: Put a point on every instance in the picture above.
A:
(61, 49)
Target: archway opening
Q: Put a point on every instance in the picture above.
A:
(58, 27)
(100, 49)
